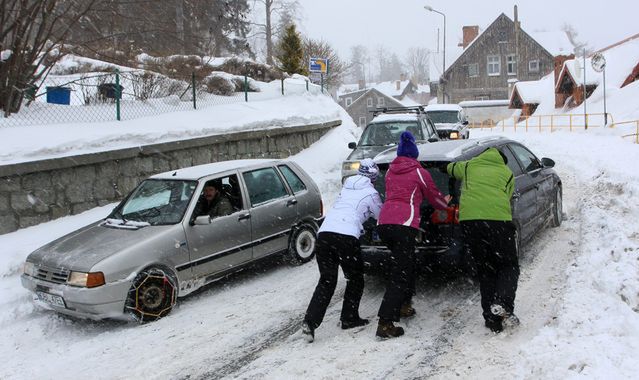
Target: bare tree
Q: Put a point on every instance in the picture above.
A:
(32, 31)
(417, 61)
(573, 36)
(322, 49)
(275, 9)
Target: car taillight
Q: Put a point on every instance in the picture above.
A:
(449, 215)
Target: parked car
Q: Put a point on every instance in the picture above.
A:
(151, 249)
(450, 121)
(384, 131)
(536, 202)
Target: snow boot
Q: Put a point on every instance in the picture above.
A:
(354, 323)
(386, 329)
(508, 319)
(407, 310)
(308, 332)
(494, 326)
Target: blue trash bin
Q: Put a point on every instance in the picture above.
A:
(59, 95)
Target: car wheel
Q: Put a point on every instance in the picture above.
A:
(302, 244)
(557, 206)
(152, 295)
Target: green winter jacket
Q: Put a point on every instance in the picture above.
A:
(486, 189)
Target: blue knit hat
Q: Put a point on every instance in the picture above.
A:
(407, 147)
(368, 168)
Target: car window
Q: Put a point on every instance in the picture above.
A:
(430, 127)
(388, 133)
(293, 180)
(158, 201)
(444, 116)
(527, 159)
(512, 161)
(264, 185)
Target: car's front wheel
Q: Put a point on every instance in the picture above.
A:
(152, 295)
(557, 206)
(302, 244)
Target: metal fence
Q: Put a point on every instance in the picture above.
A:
(127, 95)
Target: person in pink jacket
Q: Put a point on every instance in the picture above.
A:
(407, 184)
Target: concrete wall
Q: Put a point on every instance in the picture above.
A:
(39, 191)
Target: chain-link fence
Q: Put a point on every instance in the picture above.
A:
(98, 97)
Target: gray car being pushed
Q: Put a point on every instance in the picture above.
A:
(154, 247)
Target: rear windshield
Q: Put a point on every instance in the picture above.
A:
(438, 117)
(388, 133)
(444, 183)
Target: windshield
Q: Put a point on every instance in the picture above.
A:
(388, 133)
(156, 202)
(439, 117)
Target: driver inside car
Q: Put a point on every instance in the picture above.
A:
(212, 202)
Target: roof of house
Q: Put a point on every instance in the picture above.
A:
(376, 91)
(569, 68)
(533, 92)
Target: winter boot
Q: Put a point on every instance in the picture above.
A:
(354, 323)
(386, 329)
(308, 332)
(509, 319)
(494, 325)
(407, 310)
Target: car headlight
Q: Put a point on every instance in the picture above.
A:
(454, 135)
(350, 166)
(86, 280)
(29, 269)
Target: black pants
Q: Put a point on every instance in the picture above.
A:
(400, 285)
(494, 250)
(333, 250)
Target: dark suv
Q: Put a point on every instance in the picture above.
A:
(383, 132)
(536, 202)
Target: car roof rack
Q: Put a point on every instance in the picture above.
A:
(412, 109)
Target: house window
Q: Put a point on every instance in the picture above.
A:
(511, 64)
(349, 101)
(362, 121)
(380, 102)
(494, 63)
(482, 97)
(473, 70)
(369, 102)
(533, 66)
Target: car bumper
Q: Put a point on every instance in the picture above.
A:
(450, 258)
(106, 301)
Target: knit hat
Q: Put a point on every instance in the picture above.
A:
(407, 147)
(368, 168)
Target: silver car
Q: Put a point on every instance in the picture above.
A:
(153, 248)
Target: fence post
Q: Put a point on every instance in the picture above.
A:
(637, 135)
(552, 122)
(539, 121)
(527, 123)
(193, 85)
(282, 86)
(570, 123)
(245, 88)
(307, 86)
(118, 94)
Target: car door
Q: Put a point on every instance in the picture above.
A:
(273, 210)
(429, 129)
(534, 184)
(222, 244)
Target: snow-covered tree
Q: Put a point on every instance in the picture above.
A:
(291, 56)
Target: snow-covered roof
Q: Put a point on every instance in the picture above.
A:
(592, 77)
(483, 103)
(443, 107)
(199, 171)
(533, 92)
(408, 102)
(557, 42)
(621, 59)
(390, 88)
(394, 117)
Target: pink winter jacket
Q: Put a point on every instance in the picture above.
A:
(407, 183)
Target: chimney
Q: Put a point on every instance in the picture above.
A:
(398, 84)
(361, 84)
(469, 35)
(402, 77)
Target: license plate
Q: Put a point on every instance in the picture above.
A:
(51, 299)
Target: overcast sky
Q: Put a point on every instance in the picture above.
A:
(401, 24)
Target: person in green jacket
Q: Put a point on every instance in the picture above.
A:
(486, 220)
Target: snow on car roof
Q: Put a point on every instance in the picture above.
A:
(395, 117)
(442, 107)
(199, 171)
(439, 151)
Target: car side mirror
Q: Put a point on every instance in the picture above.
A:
(352, 145)
(433, 139)
(547, 162)
(465, 122)
(202, 220)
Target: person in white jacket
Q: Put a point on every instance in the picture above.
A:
(338, 245)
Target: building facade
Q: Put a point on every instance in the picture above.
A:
(361, 104)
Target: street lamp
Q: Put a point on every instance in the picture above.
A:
(441, 84)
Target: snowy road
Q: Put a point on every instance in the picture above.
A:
(246, 326)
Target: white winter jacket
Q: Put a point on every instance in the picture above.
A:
(357, 202)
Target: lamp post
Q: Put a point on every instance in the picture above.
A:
(441, 80)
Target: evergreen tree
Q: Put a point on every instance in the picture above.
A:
(291, 52)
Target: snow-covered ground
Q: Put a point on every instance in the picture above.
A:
(578, 296)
